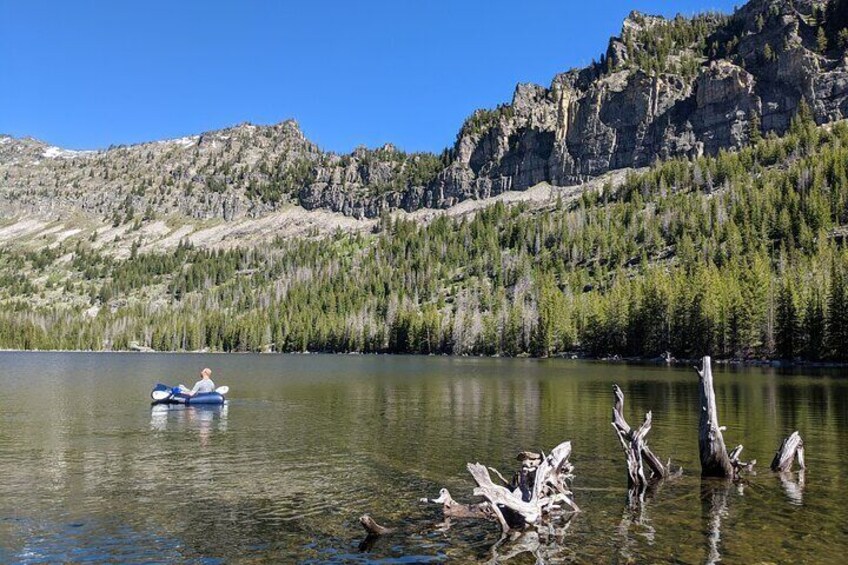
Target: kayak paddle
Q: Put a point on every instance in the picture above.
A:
(160, 394)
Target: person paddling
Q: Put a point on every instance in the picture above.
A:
(205, 384)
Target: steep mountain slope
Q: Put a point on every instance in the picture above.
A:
(738, 255)
(664, 88)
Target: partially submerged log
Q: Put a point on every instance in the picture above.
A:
(453, 509)
(790, 448)
(372, 527)
(715, 460)
(635, 447)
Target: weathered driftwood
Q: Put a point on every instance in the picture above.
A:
(635, 447)
(715, 460)
(538, 489)
(790, 448)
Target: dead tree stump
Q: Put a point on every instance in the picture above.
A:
(636, 449)
(541, 487)
(538, 489)
(715, 460)
(790, 448)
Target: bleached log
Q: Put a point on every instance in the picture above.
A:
(636, 449)
(790, 448)
(453, 509)
(715, 460)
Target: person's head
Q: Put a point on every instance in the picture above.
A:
(206, 373)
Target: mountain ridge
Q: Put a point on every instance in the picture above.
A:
(663, 88)
(731, 244)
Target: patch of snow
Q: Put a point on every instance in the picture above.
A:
(58, 152)
(184, 142)
(4, 140)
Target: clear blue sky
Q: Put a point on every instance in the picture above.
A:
(85, 74)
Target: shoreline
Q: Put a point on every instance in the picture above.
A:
(655, 361)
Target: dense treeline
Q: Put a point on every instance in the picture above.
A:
(737, 255)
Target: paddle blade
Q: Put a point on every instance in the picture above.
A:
(222, 390)
(160, 394)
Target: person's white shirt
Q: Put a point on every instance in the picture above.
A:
(203, 385)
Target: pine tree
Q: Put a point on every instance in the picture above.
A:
(814, 328)
(768, 53)
(837, 315)
(821, 40)
(755, 134)
(786, 322)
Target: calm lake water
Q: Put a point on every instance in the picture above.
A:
(90, 472)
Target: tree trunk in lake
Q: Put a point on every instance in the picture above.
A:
(635, 447)
(715, 460)
(790, 448)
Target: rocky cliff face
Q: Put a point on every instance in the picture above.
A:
(664, 88)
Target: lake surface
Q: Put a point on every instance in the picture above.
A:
(90, 472)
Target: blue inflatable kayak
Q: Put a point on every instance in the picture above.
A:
(164, 394)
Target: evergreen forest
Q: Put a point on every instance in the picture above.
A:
(738, 255)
